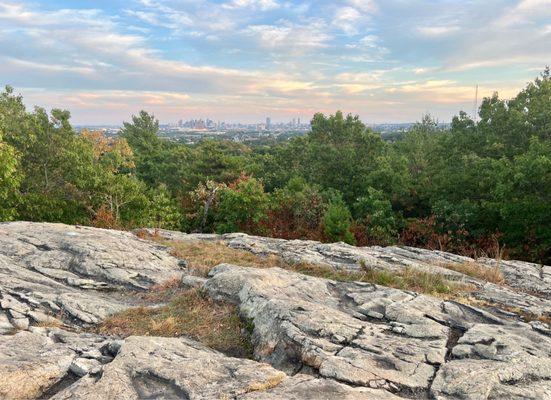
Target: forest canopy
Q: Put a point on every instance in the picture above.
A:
(478, 188)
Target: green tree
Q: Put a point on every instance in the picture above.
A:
(157, 161)
(164, 211)
(525, 201)
(297, 210)
(375, 211)
(242, 206)
(218, 161)
(337, 222)
(9, 180)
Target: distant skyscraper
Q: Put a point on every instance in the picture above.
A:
(298, 122)
(268, 122)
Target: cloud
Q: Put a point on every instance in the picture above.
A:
(448, 91)
(366, 6)
(23, 64)
(245, 59)
(289, 37)
(437, 31)
(347, 18)
(525, 12)
(263, 5)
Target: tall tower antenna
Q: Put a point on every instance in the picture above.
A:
(475, 109)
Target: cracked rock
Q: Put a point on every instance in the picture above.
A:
(313, 338)
(179, 368)
(84, 366)
(72, 272)
(30, 364)
(528, 285)
(301, 320)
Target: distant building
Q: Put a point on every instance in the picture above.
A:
(268, 122)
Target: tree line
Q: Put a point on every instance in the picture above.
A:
(478, 188)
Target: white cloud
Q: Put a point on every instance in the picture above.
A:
(335, 56)
(47, 67)
(437, 31)
(525, 12)
(289, 37)
(263, 5)
(366, 6)
(346, 19)
(447, 91)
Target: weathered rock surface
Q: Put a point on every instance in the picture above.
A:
(313, 338)
(178, 368)
(529, 277)
(528, 285)
(73, 273)
(32, 363)
(372, 336)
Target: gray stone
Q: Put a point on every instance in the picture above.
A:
(114, 347)
(43, 318)
(313, 338)
(83, 366)
(528, 286)
(5, 325)
(30, 364)
(20, 323)
(191, 281)
(300, 320)
(305, 387)
(93, 353)
(60, 270)
(169, 368)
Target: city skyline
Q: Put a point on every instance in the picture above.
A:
(212, 122)
(244, 60)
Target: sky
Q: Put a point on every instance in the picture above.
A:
(245, 60)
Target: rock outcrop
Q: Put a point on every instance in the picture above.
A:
(168, 368)
(527, 285)
(313, 338)
(74, 273)
(368, 335)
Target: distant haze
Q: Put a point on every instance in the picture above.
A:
(245, 60)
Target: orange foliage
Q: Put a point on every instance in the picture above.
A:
(104, 218)
(425, 233)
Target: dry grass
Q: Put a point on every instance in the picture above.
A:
(190, 313)
(203, 256)
(489, 274)
(409, 279)
(50, 323)
(163, 292)
(525, 315)
(533, 317)
(270, 383)
(485, 304)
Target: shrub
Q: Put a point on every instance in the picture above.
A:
(337, 222)
(375, 211)
(242, 206)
